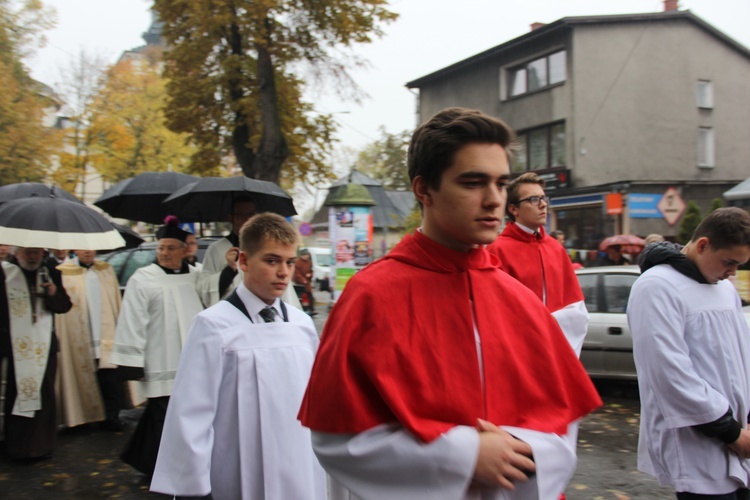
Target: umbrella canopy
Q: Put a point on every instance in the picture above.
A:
(132, 239)
(52, 222)
(140, 197)
(210, 199)
(628, 242)
(28, 189)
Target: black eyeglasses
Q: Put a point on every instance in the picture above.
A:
(534, 200)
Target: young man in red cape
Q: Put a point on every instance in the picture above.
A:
(539, 261)
(438, 375)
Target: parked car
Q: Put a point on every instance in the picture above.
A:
(608, 348)
(127, 260)
(321, 260)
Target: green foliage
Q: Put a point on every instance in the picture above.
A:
(385, 160)
(689, 222)
(715, 203)
(26, 142)
(232, 84)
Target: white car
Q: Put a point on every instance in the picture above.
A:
(321, 260)
(608, 349)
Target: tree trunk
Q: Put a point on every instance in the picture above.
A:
(241, 132)
(273, 149)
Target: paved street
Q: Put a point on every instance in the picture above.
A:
(86, 464)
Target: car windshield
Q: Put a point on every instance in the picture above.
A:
(323, 259)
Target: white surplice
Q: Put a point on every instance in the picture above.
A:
(156, 312)
(231, 427)
(691, 346)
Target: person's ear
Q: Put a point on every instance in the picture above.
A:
(512, 209)
(242, 261)
(421, 191)
(702, 244)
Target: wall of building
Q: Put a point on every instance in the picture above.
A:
(634, 100)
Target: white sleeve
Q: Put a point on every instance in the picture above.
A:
(389, 462)
(183, 466)
(656, 316)
(132, 325)
(214, 261)
(573, 320)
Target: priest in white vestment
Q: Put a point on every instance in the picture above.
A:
(159, 303)
(231, 427)
(90, 390)
(29, 295)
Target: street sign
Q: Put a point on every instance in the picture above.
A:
(671, 206)
(305, 229)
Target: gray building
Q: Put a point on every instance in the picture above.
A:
(628, 117)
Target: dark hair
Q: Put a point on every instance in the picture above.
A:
(515, 186)
(724, 227)
(263, 227)
(434, 144)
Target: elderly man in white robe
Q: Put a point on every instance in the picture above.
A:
(90, 389)
(29, 295)
(159, 303)
(691, 346)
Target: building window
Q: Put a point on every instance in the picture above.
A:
(704, 94)
(536, 74)
(706, 147)
(540, 148)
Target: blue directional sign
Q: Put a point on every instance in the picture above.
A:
(644, 206)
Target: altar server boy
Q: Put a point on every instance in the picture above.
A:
(231, 429)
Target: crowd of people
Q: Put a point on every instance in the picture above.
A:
(447, 369)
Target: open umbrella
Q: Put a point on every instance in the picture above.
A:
(628, 242)
(28, 189)
(139, 198)
(51, 222)
(132, 239)
(210, 199)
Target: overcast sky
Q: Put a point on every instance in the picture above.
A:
(429, 35)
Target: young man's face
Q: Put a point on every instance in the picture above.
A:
(468, 207)
(170, 252)
(526, 214)
(716, 265)
(86, 256)
(267, 272)
(241, 212)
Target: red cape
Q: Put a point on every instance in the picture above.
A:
(399, 347)
(526, 257)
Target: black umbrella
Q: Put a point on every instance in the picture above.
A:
(52, 222)
(210, 199)
(132, 239)
(28, 189)
(139, 198)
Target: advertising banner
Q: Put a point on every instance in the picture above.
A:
(351, 241)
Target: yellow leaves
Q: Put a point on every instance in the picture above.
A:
(129, 125)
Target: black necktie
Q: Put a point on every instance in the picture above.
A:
(267, 313)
